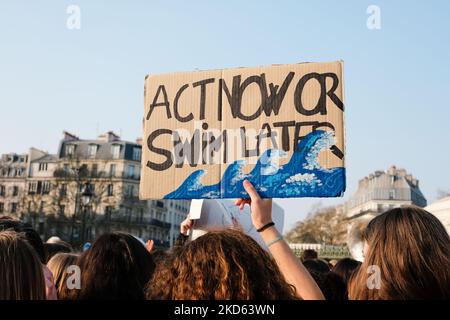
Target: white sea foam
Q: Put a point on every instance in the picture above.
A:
(270, 164)
(326, 141)
(308, 178)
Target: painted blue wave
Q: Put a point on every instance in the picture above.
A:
(302, 176)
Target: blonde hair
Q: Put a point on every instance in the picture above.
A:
(21, 274)
(58, 265)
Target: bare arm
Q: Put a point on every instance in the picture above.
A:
(290, 266)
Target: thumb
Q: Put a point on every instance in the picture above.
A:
(251, 190)
(149, 245)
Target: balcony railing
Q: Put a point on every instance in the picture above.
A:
(122, 218)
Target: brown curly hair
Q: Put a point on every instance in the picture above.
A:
(219, 265)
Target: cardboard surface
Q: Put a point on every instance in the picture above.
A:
(280, 126)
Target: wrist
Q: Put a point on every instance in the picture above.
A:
(266, 226)
(269, 233)
(262, 223)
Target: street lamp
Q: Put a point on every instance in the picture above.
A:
(86, 197)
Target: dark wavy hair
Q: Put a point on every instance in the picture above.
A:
(217, 266)
(117, 266)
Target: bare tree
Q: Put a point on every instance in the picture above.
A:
(322, 225)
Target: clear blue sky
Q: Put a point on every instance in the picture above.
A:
(91, 80)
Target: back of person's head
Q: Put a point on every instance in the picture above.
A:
(346, 267)
(58, 265)
(331, 285)
(159, 256)
(409, 248)
(308, 254)
(117, 266)
(223, 264)
(21, 274)
(28, 232)
(316, 265)
(52, 249)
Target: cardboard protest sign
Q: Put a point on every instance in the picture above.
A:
(221, 214)
(281, 127)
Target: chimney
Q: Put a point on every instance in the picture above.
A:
(109, 136)
(392, 170)
(67, 136)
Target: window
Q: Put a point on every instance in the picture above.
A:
(62, 208)
(13, 207)
(2, 190)
(70, 150)
(112, 170)
(110, 190)
(129, 191)
(2, 207)
(94, 170)
(41, 206)
(63, 190)
(115, 151)
(92, 150)
(46, 187)
(130, 171)
(138, 174)
(32, 187)
(137, 154)
(43, 166)
(15, 191)
(128, 214)
(66, 167)
(392, 194)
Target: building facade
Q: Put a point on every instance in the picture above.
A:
(377, 193)
(51, 188)
(13, 170)
(441, 209)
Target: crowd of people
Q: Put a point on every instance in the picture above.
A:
(406, 256)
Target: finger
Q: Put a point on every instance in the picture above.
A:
(149, 245)
(251, 190)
